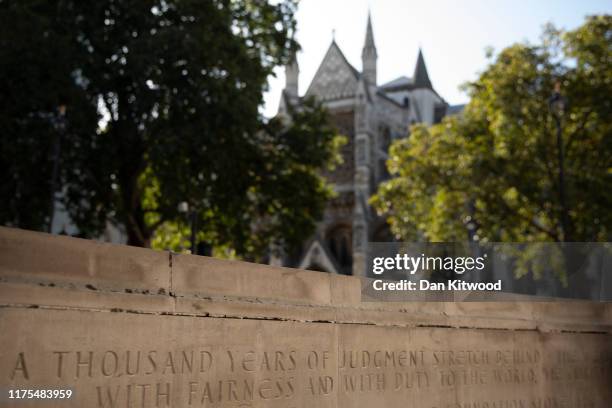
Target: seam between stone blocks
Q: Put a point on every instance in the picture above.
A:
(538, 327)
(171, 288)
(174, 302)
(211, 316)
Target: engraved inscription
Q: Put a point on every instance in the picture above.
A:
(225, 363)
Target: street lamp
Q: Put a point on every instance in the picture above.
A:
(197, 248)
(183, 207)
(558, 105)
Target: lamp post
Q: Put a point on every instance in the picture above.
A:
(59, 123)
(183, 207)
(194, 226)
(558, 104)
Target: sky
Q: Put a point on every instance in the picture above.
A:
(452, 34)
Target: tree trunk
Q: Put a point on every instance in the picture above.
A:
(135, 237)
(132, 165)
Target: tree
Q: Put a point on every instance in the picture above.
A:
(36, 75)
(163, 108)
(284, 193)
(491, 174)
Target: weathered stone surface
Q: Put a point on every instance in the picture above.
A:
(237, 363)
(31, 256)
(433, 367)
(213, 277)
(235, 335)
(123, 357)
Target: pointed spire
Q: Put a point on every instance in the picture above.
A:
(369, 39)
(292, 73)
(421, 77)
(368, 54)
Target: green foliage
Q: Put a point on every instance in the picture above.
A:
(177, 87)
(491, 174)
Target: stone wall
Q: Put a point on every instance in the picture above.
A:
(130, 327)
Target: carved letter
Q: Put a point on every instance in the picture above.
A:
(87, 363)
(164, 394)
(108, 373)
(60, 360)
(20, 366)
(112, 399)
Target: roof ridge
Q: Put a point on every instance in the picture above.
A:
(332, 46)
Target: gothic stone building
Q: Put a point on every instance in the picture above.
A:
(370, 116)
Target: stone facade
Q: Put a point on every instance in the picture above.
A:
(371, 116)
